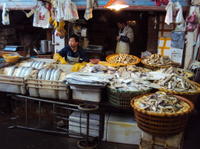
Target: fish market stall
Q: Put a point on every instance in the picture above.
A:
(121, 83)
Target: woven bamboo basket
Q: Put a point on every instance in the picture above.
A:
(109, 59)
(154, 67)
(183, 93)
(121, 99)
(161, 124)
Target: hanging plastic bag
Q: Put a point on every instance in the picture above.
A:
(179, 16)
(70, 12)
(41, 16)
(192, 22)
(60, 10)
(90, 4)
(169, 14)
(5, 15)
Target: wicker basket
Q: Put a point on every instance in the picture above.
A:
(121, 99)
(183, 93)
(110, 57)
(160, 124)
(154, 67)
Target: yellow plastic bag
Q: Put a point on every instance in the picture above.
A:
(76, 67)
(59, 58)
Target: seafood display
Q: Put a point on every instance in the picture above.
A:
(98, 69)
(125, 82)
(157, 60)
(177, 83)
(50, 74)
(47, 72)
(178, 71)
(132, 68)
(122, 59)
(88, 78)
(129, 85)
(160, 102)
(18, 71)
(33, 64)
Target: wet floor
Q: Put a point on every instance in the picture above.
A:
(26, 139)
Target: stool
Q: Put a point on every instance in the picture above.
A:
(87, 142)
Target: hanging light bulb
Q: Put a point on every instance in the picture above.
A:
(116, 4)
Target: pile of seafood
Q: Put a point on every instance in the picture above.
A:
(33, 64)
(177, 83)
(158, 60)
(18, 71)
(125, 82)
(129, 85)
(160, 102)
(97, 68)
(86, 78)
(51, 74)
(122, 58)
(132, 68)
(177, 71)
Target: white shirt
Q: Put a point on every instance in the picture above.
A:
(128, 32)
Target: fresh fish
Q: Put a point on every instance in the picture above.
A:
(52, 74)
(48, 74)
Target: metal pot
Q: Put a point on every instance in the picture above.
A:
(44, 46)
(50, 46)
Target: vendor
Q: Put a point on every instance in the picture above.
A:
(124, 38)
(72, 53)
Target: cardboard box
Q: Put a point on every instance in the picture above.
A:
(149, 141)
(121, 128)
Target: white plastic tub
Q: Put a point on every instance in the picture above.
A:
(48, 89)
(12, 84)
(86, 92)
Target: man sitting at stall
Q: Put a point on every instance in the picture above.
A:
(72, 53)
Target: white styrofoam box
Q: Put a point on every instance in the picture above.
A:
(87, 93)
(76, 128)
(78, 123)
(172, 142)
(81, 117)
(122, 128)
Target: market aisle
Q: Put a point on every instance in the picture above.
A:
(24, 139)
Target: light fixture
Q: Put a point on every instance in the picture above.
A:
(116, 4)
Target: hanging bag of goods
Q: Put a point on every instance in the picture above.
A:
(70, 12)
(41, 16)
